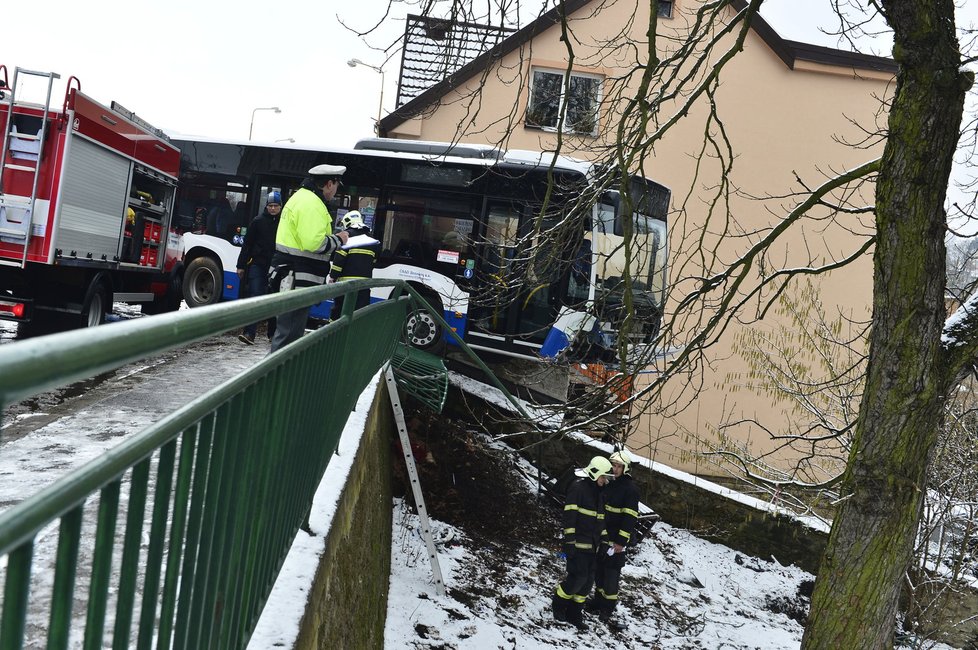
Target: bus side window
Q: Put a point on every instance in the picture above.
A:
(579, 282)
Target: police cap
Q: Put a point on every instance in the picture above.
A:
(327, 170)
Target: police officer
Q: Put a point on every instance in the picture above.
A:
(583, 523)
(304, 243)
(621, 515)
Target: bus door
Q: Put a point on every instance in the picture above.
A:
(543, 287)
(519, 277)
(495, 284)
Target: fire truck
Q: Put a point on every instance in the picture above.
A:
(86, 203)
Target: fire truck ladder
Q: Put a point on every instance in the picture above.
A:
(25, 148)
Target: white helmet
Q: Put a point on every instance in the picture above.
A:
(352, 219)
(598, 467)
(622, 457)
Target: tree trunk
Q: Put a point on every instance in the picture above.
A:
(870, 547)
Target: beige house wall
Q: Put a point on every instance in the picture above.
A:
(780, 123)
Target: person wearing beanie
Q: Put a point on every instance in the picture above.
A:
(256, 257)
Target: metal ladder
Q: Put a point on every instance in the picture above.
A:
(415, 483)
(16, 211)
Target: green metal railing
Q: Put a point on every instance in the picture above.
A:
(174, 538)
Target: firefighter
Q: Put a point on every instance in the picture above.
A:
(621, 515)
(583, 523)
(304, 242)
(354, 262)
(255, 259)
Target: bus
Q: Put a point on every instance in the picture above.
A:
(473, 228)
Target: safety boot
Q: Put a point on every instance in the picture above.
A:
(560, 606)
(575, 616)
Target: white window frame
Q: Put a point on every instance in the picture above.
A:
(563, 88)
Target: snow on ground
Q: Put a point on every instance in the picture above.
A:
(678, 591)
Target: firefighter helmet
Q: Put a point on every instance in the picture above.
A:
(274, 197)
(352, 219)
(623, 458)
(598, 467)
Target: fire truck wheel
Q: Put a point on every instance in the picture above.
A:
(422, 330)
(170, 301)
(95, 304)
(202, 282)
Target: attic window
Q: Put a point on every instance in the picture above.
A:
(665, 8)
(548, 91)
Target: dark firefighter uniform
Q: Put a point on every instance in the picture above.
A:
(621, 514)
(583, 523)
(356, 263)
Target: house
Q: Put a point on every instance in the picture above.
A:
(780, 114)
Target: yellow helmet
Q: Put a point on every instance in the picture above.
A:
(623, 458)
(598, 467)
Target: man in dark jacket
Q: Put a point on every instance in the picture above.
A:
(256, 257)
(354, 262)
(621, 514)
(304, 243)
(583, 523)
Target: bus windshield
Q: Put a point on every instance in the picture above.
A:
(631, 236)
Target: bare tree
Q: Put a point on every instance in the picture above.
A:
(916, 356)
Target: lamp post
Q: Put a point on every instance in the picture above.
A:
(380, 107)
(252, 126)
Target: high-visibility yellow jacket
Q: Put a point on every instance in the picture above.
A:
(304, 239)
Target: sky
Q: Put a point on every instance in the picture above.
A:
(202, 68)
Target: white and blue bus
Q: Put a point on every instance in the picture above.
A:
(467, 225)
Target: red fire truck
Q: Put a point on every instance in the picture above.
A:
(86, 200)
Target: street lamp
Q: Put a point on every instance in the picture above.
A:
(354, 63)
(269, 108)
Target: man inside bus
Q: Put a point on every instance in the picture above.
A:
(304, 243)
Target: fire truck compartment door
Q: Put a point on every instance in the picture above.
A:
(94, 192)
(15, 219)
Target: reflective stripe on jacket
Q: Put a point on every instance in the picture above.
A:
(621, 510)
(355, 263)
(583, 518)
(305, 228)
(304, 240)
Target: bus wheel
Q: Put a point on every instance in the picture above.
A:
(202, 282)
(422, 330)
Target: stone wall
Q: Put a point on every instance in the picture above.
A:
(696, 506)
(347, 606)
